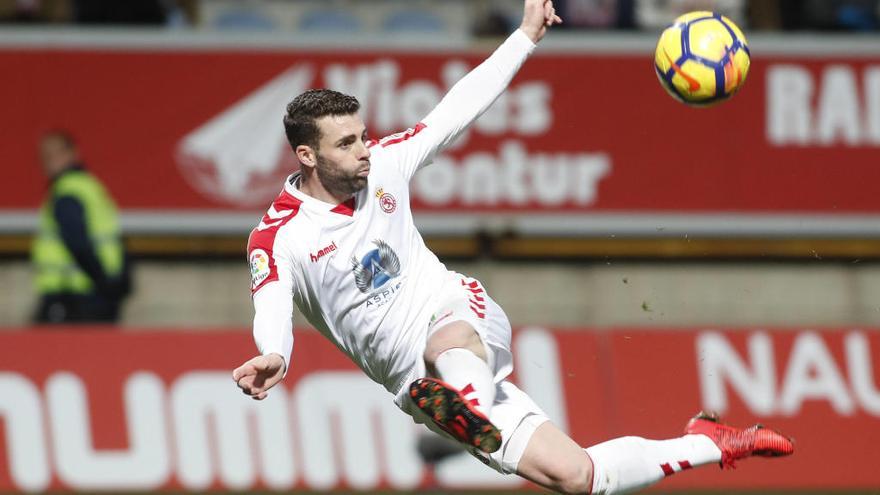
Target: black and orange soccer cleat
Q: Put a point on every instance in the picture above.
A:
(739, 443)
(454, 414)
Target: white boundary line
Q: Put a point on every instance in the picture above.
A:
(812, 45)
(562, 224)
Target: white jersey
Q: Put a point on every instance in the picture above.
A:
(360, 271)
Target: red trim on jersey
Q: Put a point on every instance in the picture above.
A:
(667, 469)
(397, 138)
(477, 302)
(263, 237)
(481, 316)
(345, 208)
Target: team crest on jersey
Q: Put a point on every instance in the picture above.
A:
(376, 268)
(387, 202)
(259, 267)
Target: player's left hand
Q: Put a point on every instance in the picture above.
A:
(538, 15)
(258, 375)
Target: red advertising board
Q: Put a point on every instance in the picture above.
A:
(178, 128)
(139, 411)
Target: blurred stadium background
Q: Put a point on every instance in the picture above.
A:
(654, 259)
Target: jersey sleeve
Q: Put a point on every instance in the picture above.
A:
(272, 291)
(273, 321)
(462, 105)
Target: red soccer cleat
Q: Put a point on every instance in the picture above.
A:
(454, 414)
(739, 443)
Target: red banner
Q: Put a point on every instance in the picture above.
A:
(186, 128)
(142, 411)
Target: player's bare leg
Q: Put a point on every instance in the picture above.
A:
(456, 334)
(554, 461)
(460, 401)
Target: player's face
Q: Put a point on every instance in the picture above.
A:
(343, 159)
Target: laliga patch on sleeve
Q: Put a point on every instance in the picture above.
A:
(259, 267)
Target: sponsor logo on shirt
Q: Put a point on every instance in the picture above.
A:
(376, 268)
(323, 252)
(384, 296)
(386, 201)
(259, 267)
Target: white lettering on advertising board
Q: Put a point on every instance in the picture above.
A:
(768, 387)
(241, 154)
(336, 428)
(840, 107)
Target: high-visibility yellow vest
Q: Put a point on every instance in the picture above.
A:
(56, 269)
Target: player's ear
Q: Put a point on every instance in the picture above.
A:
(306, 155)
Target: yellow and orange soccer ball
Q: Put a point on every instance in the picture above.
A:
(702, 58)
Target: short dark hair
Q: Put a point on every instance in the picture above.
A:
(62, 135)
(305, 109)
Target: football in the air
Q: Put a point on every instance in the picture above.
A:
(702, 58)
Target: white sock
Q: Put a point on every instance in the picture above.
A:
(468, 373)
(631, 463)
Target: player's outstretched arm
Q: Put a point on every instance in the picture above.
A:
(273, 333)
(259, 374)
(474, 93)
(273, 329)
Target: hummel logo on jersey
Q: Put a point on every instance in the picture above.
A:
(323, 252)
(376, 267)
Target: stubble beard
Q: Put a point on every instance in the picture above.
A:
(336, 181)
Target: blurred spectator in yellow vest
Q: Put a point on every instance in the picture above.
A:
(78, 254)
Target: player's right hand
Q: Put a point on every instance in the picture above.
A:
(258, 375)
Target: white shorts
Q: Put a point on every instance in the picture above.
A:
(514, 413)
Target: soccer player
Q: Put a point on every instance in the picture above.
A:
(340, 241)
